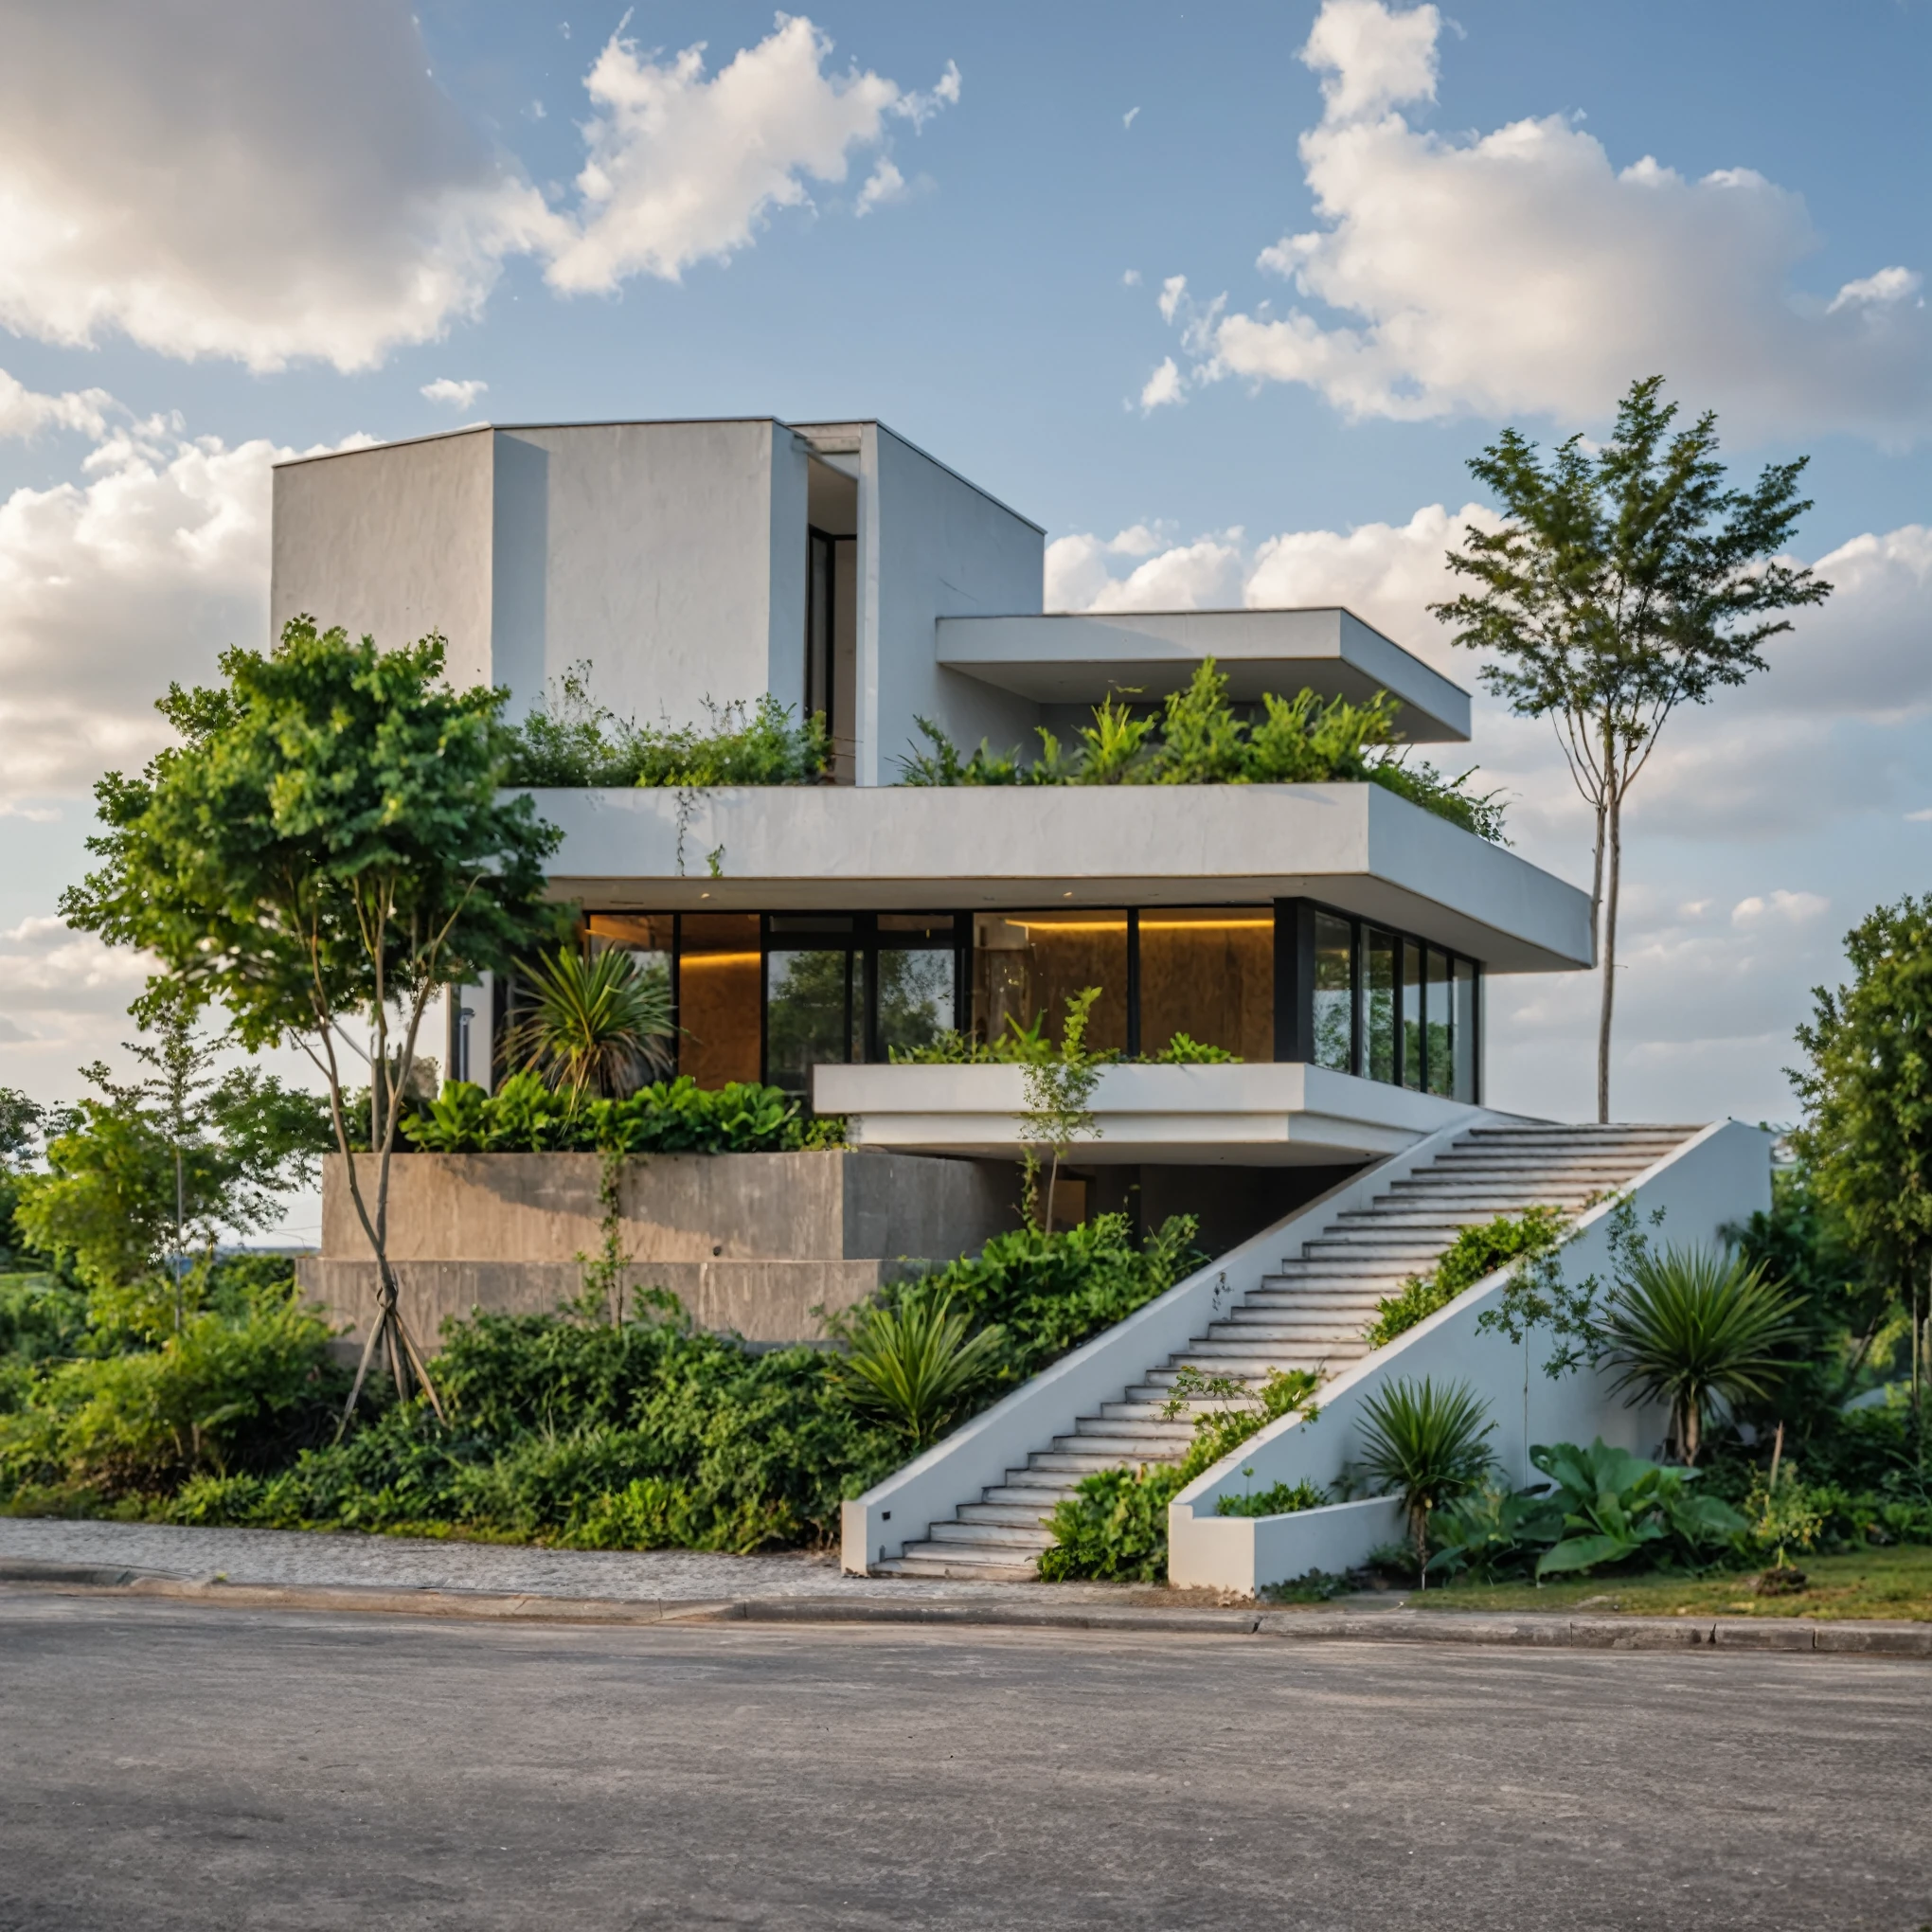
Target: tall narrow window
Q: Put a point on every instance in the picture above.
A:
(1208, 973)
(1379, 1023)
(807, 1015)
(1411, 1014)
(719, 984)
(1465, 1031)
(1026, 965)
(821, 599)
(1439, 1051)
(1335, 992)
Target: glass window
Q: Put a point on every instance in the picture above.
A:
(1439, 1056)
(915, 997)
(647, 937)
(1411, 1014)
(1209, 971)
(1465, 1031)
(1335, 992)
(1379, 1021)
(1027, 965)
(719, 983)
(807, 1015)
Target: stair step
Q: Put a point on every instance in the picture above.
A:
(1023, 1537)
(1022, 1515)
(1120, 1449)
(917, 1562)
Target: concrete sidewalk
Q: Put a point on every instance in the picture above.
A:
(281, 1569)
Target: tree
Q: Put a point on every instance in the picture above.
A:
(157, 1168)
(1060, 1091)
(326, 843)
(1867, 1098)
(1625, 580)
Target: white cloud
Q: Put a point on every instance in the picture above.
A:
(1127, 118)
(1523, 271)
(281, 181)
(262, 183)
(684, 167)
(1171, 292)
(1164, 385)
(1794, 908)
(55, 982)
(459, 395)
(883, 186)
(140, 570)
(24, 412)
(1131, 280)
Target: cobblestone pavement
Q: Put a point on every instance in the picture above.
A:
(300, 1557)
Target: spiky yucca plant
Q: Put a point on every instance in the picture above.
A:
(601, 1023)
(916, 1365)
(1693, 1327)
(1427, 1446)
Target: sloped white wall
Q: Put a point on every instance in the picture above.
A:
(1718, 1179)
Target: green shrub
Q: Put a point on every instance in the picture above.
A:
(1115, 1526)
(1185, 1050)
(1277, 1499)
(1048, 1293)
(1426, 1446)
(1601, 1507)
(574, 741)
(916, 1365)
(222, 1394)
(1475, 1254)
(1199, 738)
(526, 1116)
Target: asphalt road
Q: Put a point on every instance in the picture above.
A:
(170, 1767)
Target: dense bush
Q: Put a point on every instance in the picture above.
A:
(574, 741)
(635, 1434)
(526, 1116)
(1048, 1293)
(1114, 1527)
(1601, 1508)
(1476, 1253)
(1199, 738)
(1030, 1046)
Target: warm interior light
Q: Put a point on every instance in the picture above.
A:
(718, 958)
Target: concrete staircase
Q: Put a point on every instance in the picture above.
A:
(1311, 1314)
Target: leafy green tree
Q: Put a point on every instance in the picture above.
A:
(324, 846)
(1625, 580)
(1059, 1111)
(1867, 1098)
(156, 1170)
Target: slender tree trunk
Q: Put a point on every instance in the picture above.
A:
(1608, 954)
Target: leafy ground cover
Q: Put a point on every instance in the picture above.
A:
(1894, 1582)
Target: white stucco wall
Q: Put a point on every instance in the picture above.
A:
(931, 546)
(671, 555)
(393, 543)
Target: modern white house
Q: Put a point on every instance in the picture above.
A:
(1335, 939)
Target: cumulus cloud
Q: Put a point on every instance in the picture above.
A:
(1523, 270)
(51, 976)
(1164, 385)
(686, 167)
(138, 570)
(261, 183)
(1793, 908)
(883, 186)
(281, 181)
(24, 412)
(459, 395)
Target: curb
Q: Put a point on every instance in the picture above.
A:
(1549, 1631)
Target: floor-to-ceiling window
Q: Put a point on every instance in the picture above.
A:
(772, 995)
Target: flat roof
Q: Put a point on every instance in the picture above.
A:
(1082, 657)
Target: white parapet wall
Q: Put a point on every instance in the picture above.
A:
(879, 1525)
(1716, 1180)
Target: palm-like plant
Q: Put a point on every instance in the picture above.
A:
(1427, 1446)
(916, 1365)
(601, 1023)
(1695, 1327)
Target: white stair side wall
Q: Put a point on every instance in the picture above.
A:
(976, 1456)
(1716, 1179)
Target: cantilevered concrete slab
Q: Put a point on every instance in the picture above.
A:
(971, 848)
(1083, 659)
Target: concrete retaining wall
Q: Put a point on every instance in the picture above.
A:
(748, 1242)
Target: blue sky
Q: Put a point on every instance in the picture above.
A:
(272, 227)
